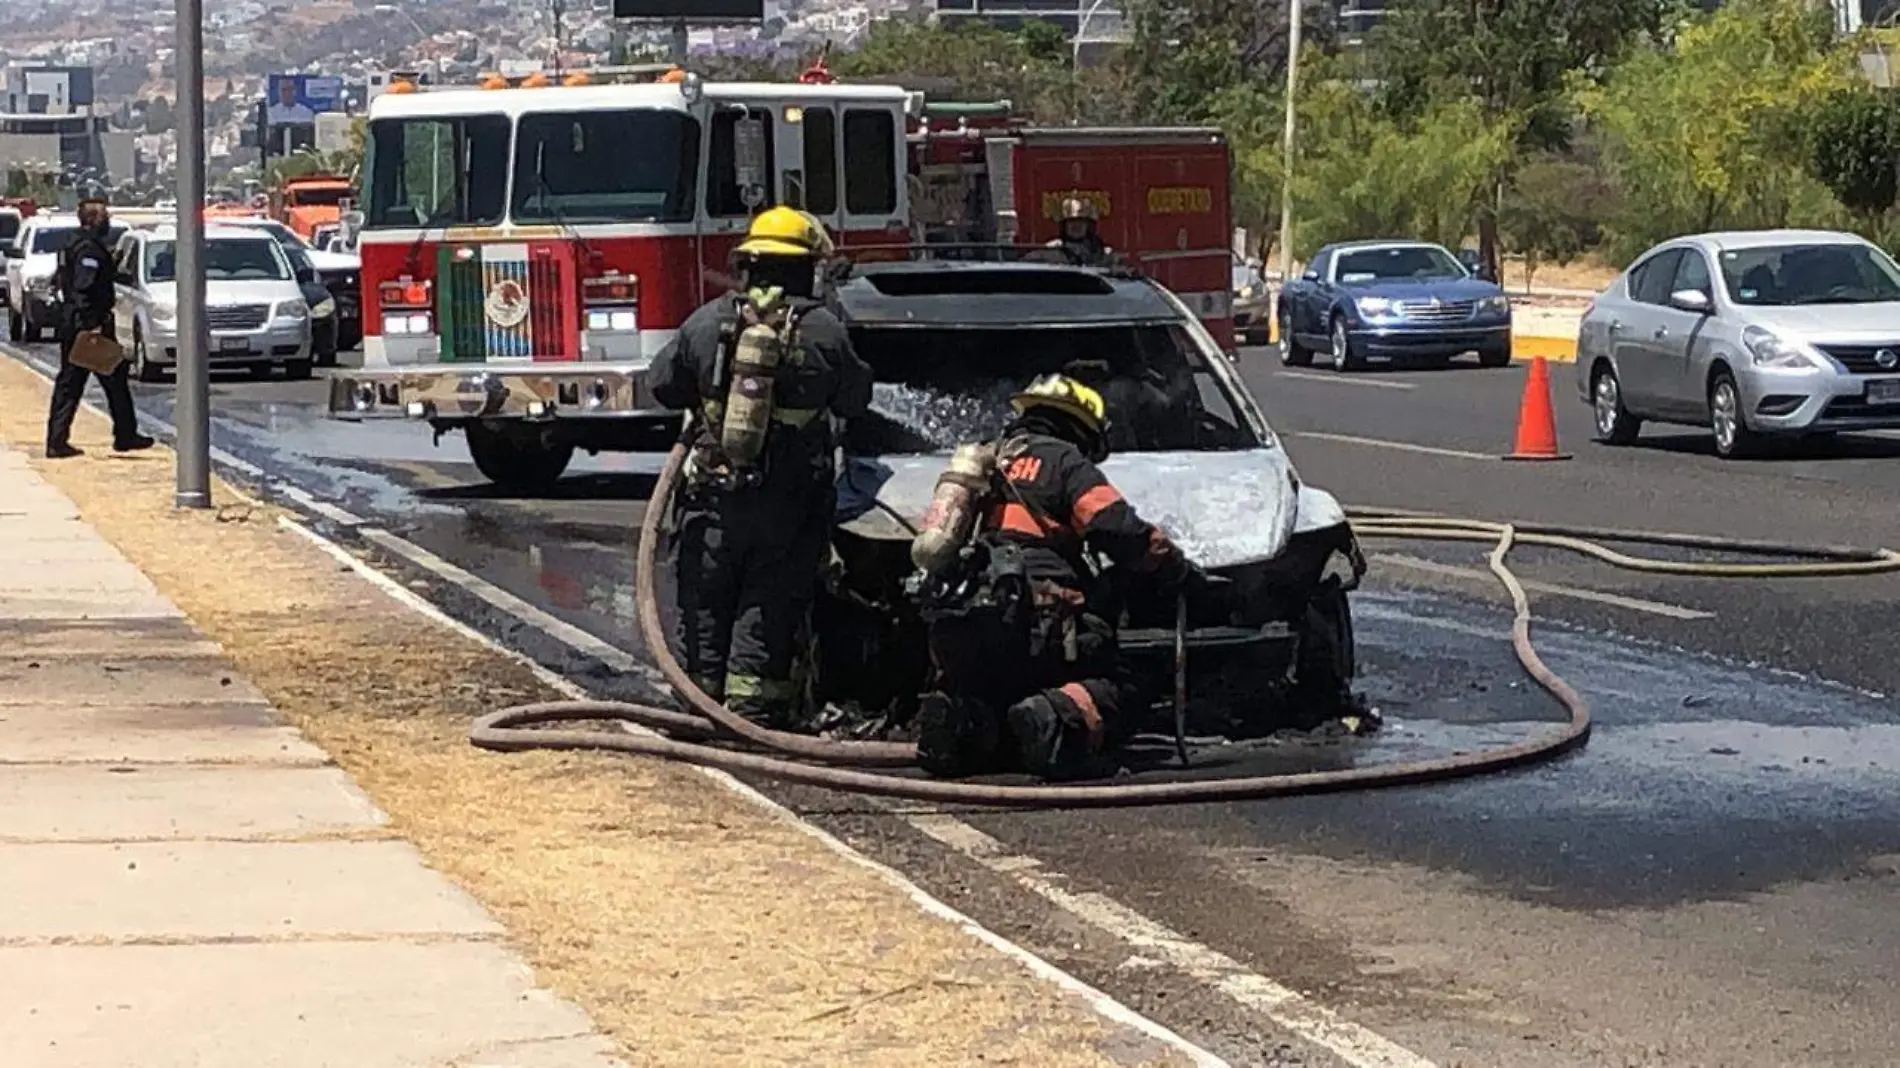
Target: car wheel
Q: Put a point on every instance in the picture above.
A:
(515, 461)
(298, 370)
(1612, 422)
(16, 327)
(142, 365)
(1733, 439)
(1292, 353)
(31, 332)
(1345, 357)
(1495, 356)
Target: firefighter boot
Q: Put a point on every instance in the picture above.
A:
(1054, 747)
(956, 736)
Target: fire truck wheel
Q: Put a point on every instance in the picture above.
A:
(516, 461)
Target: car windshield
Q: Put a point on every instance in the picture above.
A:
(577, 166)
(9, 227)
(938, 388)
(437, 172)
(1810, 274)
(227, 259)
(1397, 261)
(321, 196)
(52, 239)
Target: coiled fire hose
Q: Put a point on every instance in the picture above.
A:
(844, 765)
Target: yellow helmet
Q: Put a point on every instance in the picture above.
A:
(783, 231)
(825, 247)
(1066, 395)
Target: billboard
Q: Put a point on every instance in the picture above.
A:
(297, 99)
(701, 11)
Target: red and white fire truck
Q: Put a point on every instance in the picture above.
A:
(526, 251)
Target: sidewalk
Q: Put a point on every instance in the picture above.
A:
(185, 881)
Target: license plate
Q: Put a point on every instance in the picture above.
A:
(1883, 391)
(234, 344)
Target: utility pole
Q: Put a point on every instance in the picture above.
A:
(559, 10)
(192, 410)
(680, 43)
(1292, 100)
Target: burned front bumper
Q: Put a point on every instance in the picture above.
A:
(438, 392)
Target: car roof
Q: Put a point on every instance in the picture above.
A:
(974, 295)
(1377, 243)
(216, 231)
(1720, 240)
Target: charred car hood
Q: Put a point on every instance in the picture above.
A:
(1222, 508)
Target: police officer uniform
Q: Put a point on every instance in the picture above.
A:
(1057, 677)
(751, 552)
(85, 280)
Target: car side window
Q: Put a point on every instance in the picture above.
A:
(1322, 264)
(1650, 282)
(1692, 273)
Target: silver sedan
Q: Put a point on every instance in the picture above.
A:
(1758, 335)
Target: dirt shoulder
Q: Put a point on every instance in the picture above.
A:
(694, 926)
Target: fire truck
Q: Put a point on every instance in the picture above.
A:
(528, 249)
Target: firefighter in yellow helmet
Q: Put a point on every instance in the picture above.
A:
(764, 376)
(1026, 666)
(1080, 238)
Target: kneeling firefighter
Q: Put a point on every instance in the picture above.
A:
(763, 375)
(1027, 675)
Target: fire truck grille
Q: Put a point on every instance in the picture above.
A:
(501, 307)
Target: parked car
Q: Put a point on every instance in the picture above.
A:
(31, 261)
(323, 316)
(1757, 335)
(255, 308)
(1366, 302)
(1253, 302)
(11, 221)
(340, 272)
(1191, 450)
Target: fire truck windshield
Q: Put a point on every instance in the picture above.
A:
(606, 166)
(437, 171)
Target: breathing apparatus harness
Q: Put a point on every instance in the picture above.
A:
(755, 341)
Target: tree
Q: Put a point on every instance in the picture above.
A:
(1553, 210)
(964, 61)
(1854, 149)
(1515, 58)
(1710, 134)
(1186, 53)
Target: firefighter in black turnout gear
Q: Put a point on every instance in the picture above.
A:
(1081, 235)
(764, 376)
(84, 282)
(1028, 675)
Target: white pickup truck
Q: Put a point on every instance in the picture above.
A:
(31, 260)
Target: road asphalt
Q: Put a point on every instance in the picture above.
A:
(1706, 884)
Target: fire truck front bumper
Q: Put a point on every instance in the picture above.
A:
(448, 393)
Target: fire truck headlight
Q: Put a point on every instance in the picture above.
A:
(596, 320)
(624, 322)
(621, 320)
(405, 323)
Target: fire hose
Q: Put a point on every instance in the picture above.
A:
(850, 765)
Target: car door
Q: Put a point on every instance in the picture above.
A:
(1646, 380)
(125, 266)
(1679, 340)
(1315, 297)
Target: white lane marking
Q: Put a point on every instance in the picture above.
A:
(1286, 1007)
(1102, 1004)
(1344, 380)
(1634, 604)
(1384, 443)
(560, 629)
(1358, 1047)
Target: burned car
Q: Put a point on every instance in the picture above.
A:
(949, 343)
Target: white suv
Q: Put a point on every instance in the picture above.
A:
(254, 307)
(31, 261)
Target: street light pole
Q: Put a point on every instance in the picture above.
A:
(193, 405)
(1286, 178)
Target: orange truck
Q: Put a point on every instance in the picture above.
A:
(314, 200)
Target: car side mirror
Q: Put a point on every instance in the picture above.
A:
(1311, 276)
(306, 276)
(1691, 300)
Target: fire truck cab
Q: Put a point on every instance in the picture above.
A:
(527, 251)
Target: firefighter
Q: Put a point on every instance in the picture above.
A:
(85, 283)
(1014, 631)
(766, 376)
(1081, 234)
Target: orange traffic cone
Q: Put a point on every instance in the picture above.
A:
(1536, 422)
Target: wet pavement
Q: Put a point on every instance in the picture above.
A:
(1747, 751)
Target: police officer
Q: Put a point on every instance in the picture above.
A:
(1054, 670)
(85, 281)
(1081, 234)
(754, 537)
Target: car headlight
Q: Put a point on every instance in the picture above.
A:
(324, 308)
(292, 309)
(1769, 349)
(40, 285)
(1246, 292)
(1375, 306)
(1498, 305)
(164, 313)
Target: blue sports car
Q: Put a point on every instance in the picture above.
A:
(1366, 302)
